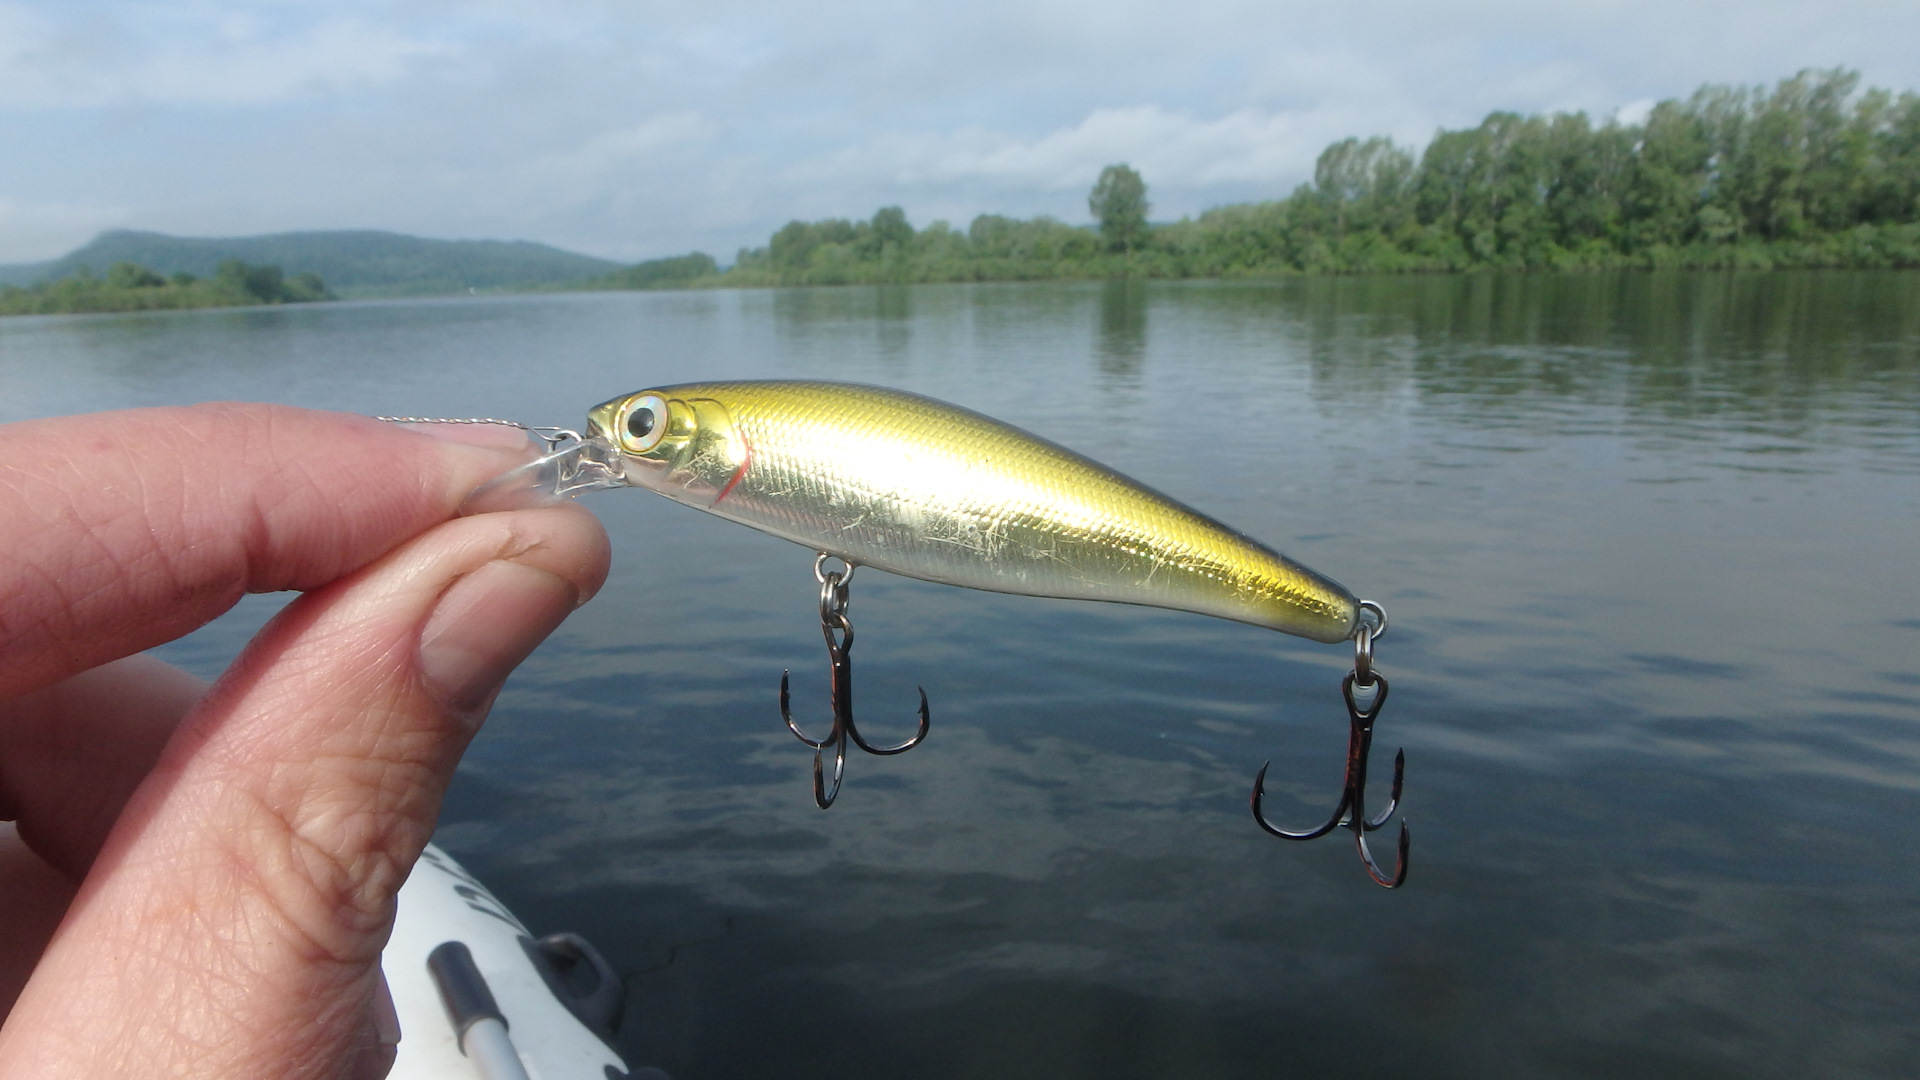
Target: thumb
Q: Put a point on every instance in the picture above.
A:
(233, 922)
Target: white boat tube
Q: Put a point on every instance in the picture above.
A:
(494, 1003)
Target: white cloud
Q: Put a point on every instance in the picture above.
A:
(1172, 147)
(194, 56)
(640, 127)
(1634, 112)
(1189, 162)
(623, 148)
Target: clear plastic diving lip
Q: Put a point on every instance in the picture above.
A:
(570, 466)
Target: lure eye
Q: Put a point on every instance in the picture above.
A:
(646, 423)
(640, 423)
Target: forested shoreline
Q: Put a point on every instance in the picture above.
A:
(131, 287)
(1812, 172)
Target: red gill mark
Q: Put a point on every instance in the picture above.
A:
(746, 459)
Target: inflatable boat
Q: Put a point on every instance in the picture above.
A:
(480, 997)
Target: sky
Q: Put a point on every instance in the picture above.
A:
(633, 129)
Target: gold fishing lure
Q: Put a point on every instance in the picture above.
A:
(884, 478)
(924, 489)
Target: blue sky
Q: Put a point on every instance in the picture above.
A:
(639, 129)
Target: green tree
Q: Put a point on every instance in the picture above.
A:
(264, 284)
(1587, 167)
(306, 287)
(1369, 175)
(889, 226)
(1894, 188)
(658, 273)
(126, 275)
(1119, 201)
(1671, 173)
(129, 286)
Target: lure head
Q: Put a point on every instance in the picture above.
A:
(686, 448)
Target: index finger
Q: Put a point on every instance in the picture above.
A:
(123, 530)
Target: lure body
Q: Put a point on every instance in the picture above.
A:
(928, 490)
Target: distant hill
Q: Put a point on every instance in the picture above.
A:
(360, 263)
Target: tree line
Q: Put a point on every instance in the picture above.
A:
(129, 286)
(1810, 172)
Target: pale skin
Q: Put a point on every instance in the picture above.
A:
(200, 878)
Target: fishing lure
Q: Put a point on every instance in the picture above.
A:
(870, 476)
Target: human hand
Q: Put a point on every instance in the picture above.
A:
(226, 858)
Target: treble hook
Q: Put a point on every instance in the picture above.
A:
(838, 631)
(1351, 813)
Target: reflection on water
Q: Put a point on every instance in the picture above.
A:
(1123, 329)
(1671, 344)
(1646, 539)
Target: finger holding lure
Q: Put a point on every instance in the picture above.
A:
(884, 478)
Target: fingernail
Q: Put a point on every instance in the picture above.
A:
(375, 1061)
(487, 623)
(386, 1019)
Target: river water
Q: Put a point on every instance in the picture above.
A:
(1648, 544)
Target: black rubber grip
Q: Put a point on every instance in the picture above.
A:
(463, 990)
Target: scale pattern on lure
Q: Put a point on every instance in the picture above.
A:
(917, 487)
